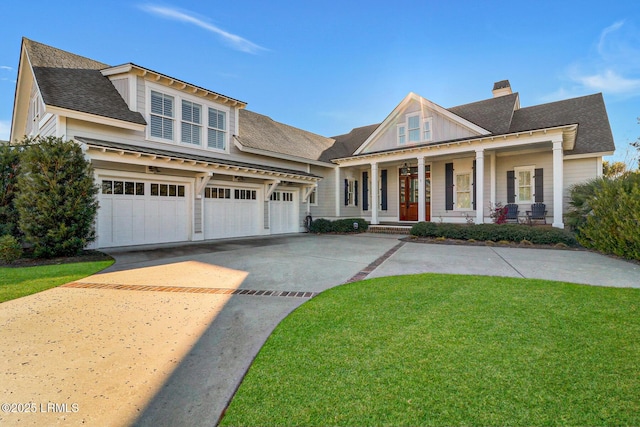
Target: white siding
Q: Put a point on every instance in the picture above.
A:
(122, 86)
(578, 171)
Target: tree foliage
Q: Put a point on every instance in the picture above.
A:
(57, 198)
(9, 172)
(613, 169)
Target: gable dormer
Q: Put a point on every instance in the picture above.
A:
(417, 121)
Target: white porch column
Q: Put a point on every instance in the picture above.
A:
(337, 188)
(492, 190)
(558, 184)
(374, 194)
(479, 186)
(421, 191)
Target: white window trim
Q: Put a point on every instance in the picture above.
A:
(422, 126)
(429, 121)
(225, 131)
(191, 123)
(455, 191)
(173, 118)
(177, 131)
(351, 191)
(532, 184)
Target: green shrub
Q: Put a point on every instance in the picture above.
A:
(10, 249)
(581, 196)
(56, 200)
(495, 233)
(321, 225)
(613, 225)
(344, 225)
(9, 172)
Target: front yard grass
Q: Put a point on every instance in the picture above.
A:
(436, 349)
(16, 282)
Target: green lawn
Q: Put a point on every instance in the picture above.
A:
(17, 282)
(450, 350)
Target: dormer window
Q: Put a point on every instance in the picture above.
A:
(161, 115)
(415, 130)
(217, 130)
(191, 120)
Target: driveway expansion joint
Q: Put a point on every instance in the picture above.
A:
(192, 290)
(362, 274)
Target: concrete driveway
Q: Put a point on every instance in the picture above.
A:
(165, 335)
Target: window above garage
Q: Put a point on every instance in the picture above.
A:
(178, 118)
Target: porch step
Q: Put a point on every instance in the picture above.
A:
(390, 229)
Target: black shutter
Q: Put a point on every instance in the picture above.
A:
(383, 182)
(448, 186)
(365, 191)
(355, 193)
(346, 192)
(539, 186)
(511, 187)
(474, 184)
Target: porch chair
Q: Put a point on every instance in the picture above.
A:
(512, 213)
(538, 212)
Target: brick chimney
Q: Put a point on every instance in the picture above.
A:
(501, 88)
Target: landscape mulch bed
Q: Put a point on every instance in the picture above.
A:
(85, 256)
(438, 241)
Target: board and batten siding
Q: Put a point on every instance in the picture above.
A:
(442, 128)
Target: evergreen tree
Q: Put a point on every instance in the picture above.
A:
(57, 197)
(9, 171)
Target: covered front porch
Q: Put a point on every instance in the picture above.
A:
(458, 181)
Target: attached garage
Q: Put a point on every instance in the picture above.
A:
(284, 212)
(232, 212)
(137, 212)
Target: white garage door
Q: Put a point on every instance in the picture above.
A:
(284, 212)
(135, 212)
(232, 212)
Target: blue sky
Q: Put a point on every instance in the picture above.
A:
(330, 66)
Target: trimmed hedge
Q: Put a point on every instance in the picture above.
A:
(322, 225)
(495, 233)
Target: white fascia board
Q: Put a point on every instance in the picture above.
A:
(71, 114)
(425, 103)
(120, 69)
(20, 100)
(587, 155)
(456, 147)
(163, 162)
(280, 156)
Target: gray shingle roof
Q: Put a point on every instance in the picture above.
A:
(499, 116)
(263, 133)
(492, 114)
(41, 55)
(186, 156)
(589, 112)
(348, 143)
(74, 82)
(87, 91)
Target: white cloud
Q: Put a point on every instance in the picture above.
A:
(603, 35)
(614, 68)
(235, 41)
(5, 67)
(610, 82)
(5, 130)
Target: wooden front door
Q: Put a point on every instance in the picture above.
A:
(409, 194)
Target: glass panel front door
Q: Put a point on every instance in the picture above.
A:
(409, 193)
